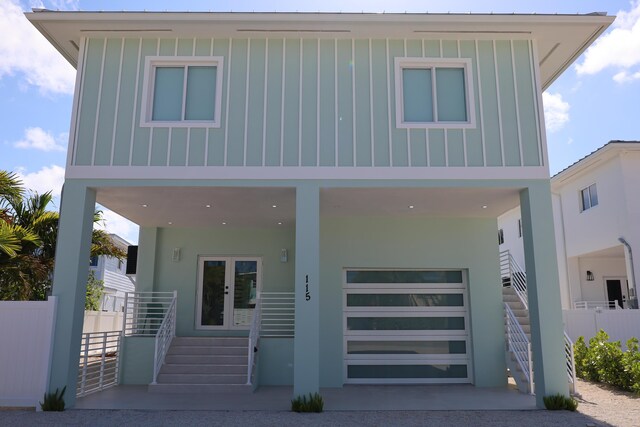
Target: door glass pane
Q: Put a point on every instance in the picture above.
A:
(452, 103)
(406, 347)
(407, 371)
(201, 93)
(404, 323)
(213, 278)
(167, 94)
(403, 276)
(245, 290)
(416, 95)
(404, 300)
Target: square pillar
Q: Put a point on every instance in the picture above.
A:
(69, 284)
(146, 268)
(543, 290)
(306, 347)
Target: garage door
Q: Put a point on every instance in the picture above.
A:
(406, 326)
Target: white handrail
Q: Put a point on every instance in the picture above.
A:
(164, 335)
(594, 305)
(571, 362)
(509, 268)
(254, 336)
(519, 345)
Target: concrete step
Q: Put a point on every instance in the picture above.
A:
(210, 341)
(201, 369)
(206, 359)
(202, 379)
(207, 350)
(201, 388)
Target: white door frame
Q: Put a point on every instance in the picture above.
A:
(229, 283)
(624, 287)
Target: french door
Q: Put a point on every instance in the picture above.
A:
(227, 291)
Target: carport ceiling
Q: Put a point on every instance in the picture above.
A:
(254, 206)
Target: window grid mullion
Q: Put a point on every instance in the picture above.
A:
(434, 95)
(184, 93)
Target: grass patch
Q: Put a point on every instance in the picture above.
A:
(313, 404)
(557, 402)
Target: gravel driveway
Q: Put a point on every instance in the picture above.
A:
(599, 406)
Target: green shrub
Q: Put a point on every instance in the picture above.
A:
(558, 402)
(604, 361)
(313, 404)
(54, 401)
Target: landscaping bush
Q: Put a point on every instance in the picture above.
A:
(604, 361)
(313, 404)
(53, 401)
(558, 402)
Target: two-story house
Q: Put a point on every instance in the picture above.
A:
(356, 162)
(596, 209)
(113, 274)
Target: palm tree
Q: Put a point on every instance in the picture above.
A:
(28, 236)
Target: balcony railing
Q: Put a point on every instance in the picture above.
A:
(596, 305)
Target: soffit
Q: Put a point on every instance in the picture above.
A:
(560, 39)
(254, 207)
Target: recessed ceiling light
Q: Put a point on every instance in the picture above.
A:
(279, 223)
(274, 206)
(144, 206)
(224, 223)
(410, 206)
(484, 206)
(207, 206)
(170, 223)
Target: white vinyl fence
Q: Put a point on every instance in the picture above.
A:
(620, 325)
(26, 331)
(102, 321)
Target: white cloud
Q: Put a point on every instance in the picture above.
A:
(46, 179)
(556, 111)
(114, 223)
(618, 49)
(39, 139)
(25, 52)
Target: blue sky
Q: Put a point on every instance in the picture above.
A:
(596, 100)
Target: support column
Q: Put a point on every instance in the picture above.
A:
(545, 311)
(146, 268)
(69, 284)
(306, 354)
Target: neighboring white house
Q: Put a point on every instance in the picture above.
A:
(596, 208)
(112, 272)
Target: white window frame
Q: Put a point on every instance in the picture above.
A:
(150, 65)
(433, 63)
(581, 197)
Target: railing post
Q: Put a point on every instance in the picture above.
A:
(124, 313)
(102, 360)
(530, 354)
(86, 360)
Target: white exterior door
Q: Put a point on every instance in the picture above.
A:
(406, 326)
(227, 291)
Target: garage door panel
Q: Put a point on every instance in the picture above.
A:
(407, 332)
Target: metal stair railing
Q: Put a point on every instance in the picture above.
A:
(517, 278)
(254, 336)
(519, 345)
(164, 336)
(571, 362)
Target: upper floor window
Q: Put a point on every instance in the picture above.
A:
(519, 227)
(501, 236)
(588, 197)
(182, 91)
(93, 262)
(434, 93)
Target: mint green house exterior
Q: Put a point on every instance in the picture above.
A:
(357, 161)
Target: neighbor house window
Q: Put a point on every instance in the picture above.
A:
(182, 91)
(93, 262)
(588, 197)
(434, 93)
(519, 228)
(500, 236)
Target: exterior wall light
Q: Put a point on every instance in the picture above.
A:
(590, 277)
(284, 255)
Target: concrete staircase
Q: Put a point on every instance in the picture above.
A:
(521, 313)
(204, 365)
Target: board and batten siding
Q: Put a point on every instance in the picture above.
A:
(307, 102)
